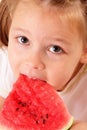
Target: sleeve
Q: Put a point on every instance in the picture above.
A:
(6, 75)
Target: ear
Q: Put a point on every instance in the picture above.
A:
(83, 58)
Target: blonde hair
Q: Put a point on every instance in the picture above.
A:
(6, 9)
(74, 10)
(5, 21)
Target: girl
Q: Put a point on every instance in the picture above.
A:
(48, 41)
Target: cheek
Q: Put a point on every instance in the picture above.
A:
(60, 75)
(14, 60)
(59, 79)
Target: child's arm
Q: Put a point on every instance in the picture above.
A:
(1, 102)
(79, 126)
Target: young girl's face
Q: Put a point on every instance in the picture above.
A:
(42, 46)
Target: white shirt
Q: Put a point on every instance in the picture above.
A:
(6, 75)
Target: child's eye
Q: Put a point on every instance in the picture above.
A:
(23, 40)
(56, 49)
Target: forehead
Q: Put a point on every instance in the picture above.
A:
(32, 8)
(28, 12)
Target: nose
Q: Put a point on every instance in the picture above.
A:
(35, 61)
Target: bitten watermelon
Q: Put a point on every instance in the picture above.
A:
(34, 105)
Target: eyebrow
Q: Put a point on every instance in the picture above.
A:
(21, 29)
(26, 31)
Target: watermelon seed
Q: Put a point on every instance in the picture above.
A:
(44, 121)
(37, 122)
(46, 115)
(19, 102)
(17, 108)
(24, 104)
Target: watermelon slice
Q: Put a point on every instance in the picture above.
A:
(34, 105)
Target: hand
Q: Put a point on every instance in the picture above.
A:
(79, 126)
(1, 102)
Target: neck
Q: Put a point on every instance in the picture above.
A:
(77, 69)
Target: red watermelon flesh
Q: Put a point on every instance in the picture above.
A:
(34, 105)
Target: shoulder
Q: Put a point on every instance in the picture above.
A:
(75, 95)
(6, 75)
(3, 59)
(78, 81)
(3, 53)
(3, 50)
(1, 102)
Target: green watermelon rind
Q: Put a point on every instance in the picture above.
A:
(69, 124)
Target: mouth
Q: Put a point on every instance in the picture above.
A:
(35, 78)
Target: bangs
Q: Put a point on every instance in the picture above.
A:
(75, 18)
